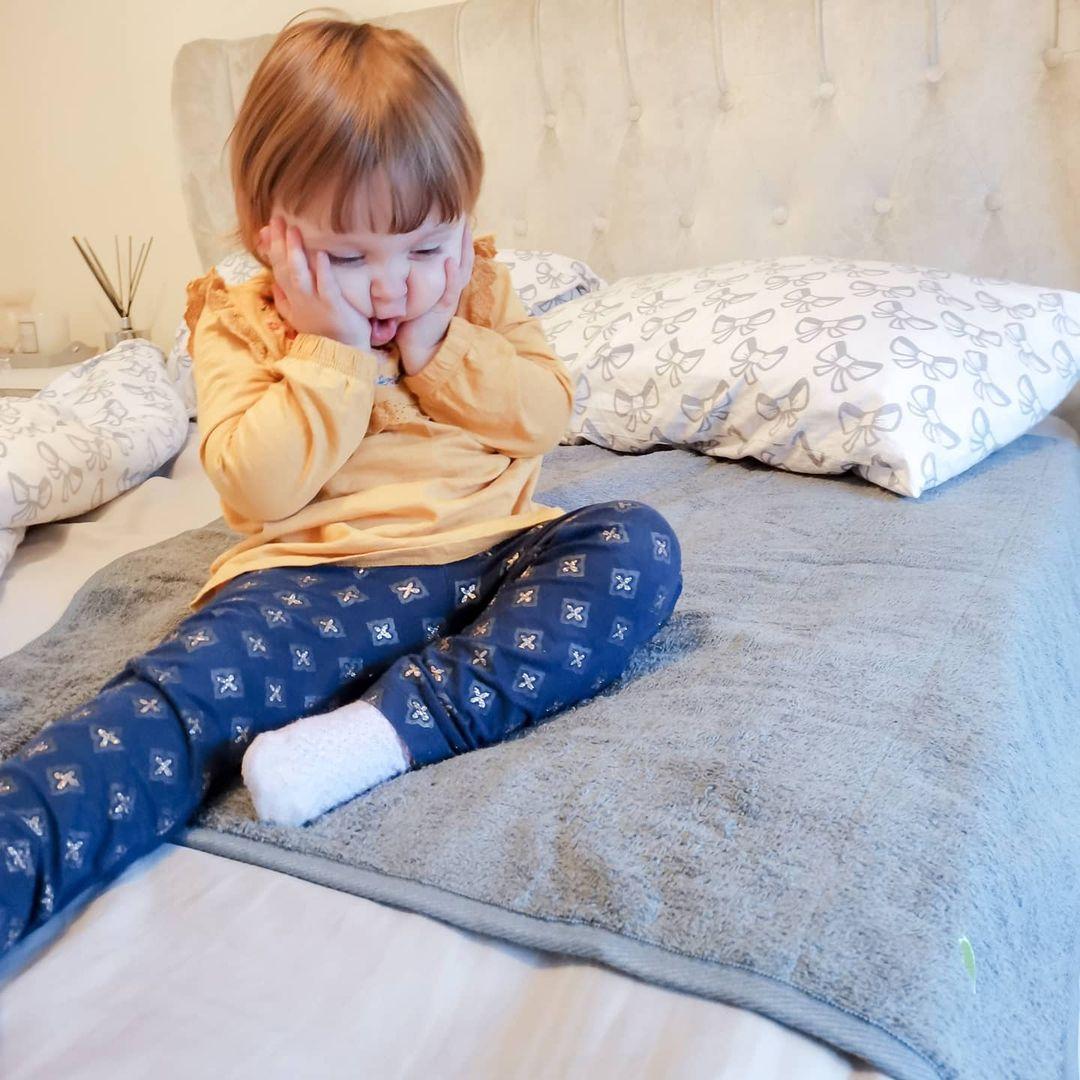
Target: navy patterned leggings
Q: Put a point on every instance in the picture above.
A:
(456, 657)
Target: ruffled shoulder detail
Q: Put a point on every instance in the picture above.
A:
(196, 299)
(211, 292)
(481, 289)
(484, 246)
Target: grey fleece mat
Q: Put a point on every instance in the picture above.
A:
(856, 742)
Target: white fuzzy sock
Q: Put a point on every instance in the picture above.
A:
(302, 770)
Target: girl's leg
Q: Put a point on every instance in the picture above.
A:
(572, 599)
(125, 772)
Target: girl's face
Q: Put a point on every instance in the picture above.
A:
(383, 275)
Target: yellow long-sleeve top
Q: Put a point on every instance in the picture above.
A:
(326, 453)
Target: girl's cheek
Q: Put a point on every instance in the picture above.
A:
(427, 282)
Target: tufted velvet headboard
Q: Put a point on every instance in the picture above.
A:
(647, 135)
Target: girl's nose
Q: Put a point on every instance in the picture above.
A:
(388, 290)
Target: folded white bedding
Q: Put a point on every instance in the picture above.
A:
(92, 433)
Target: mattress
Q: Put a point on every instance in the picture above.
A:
(269, 975)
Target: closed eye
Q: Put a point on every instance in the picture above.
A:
(342, 260)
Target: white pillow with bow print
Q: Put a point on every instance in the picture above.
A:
(907, 375)
(543, 280)
(94, 432)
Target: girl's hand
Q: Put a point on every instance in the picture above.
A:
(310, 299)
(418, 339)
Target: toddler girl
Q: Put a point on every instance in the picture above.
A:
(373, 409)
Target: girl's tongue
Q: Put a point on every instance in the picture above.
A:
(382, 330)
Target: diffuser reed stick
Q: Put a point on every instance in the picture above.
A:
(120, 297)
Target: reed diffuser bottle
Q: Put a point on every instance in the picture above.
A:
(120, 297)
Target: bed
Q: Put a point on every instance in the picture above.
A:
(249, 959)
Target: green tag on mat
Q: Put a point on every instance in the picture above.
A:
(967, 954)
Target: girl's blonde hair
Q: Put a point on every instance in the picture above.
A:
(334, 102)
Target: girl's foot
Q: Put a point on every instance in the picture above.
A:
(300, 771)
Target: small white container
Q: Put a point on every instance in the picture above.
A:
(41, 333)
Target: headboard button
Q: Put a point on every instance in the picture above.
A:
(550, 120)
(882, 205)
(994, 201)
(634, 113)
(1052, 56)
(780, 214)
(600, 223)
(725, 102)
(686, 220)
(520, 227)
(934, 74)
(826, 90)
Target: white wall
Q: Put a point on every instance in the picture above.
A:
(86, 144)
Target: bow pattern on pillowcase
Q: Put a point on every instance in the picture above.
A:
(982, 438)
(890, 292)
(637, 408)
(705, 412)
(611, 359)
(724, 325)
(676, 363)
(976, 363)
(907, 354)
(975, 334)
(806, 330)
(1063, 323)
(70, 475)
(992, 303)
(899, 318)
(749, 360)
(784, 410)
(1030, 405)
(863, 427)
(29, 498)
(942, 297)
(1068, 366)
(1027, 354)
(835, 358)
(923, 405)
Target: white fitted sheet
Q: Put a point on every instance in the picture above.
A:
(191, 964)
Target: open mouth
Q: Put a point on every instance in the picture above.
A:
(382, 330)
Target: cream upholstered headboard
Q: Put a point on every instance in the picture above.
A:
(647, 135)
(644, 135)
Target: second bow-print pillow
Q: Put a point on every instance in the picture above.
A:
(906, 375)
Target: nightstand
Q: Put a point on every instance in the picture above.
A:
(26, 382)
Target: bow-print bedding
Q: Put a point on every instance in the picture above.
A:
(91, 434)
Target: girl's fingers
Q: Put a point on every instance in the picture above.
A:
(281, 301)
(299, 267)
(451, 292)
(277, 249)
(467, 269)
(326, 284)
(470, 254)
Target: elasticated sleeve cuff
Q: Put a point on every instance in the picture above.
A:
(447, 359)
(333, 354)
